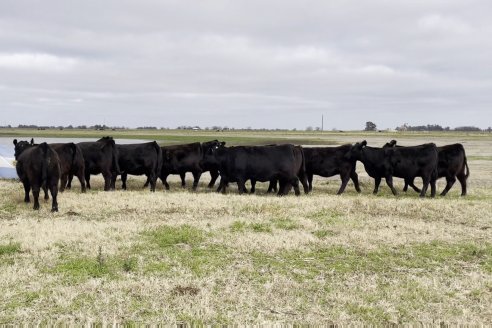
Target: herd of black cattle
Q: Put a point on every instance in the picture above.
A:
(47, 166)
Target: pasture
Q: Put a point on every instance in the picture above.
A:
(204, 258)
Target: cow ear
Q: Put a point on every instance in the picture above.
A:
(363, 143)
(392, 143)
(222, 144)
(15, 142)
(32, 141)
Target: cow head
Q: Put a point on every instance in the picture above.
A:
(210, 154)
(106, 138)
(355, 151)
(390, 144)
(20, 146)
(207, 146)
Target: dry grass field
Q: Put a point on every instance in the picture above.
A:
(204, 258)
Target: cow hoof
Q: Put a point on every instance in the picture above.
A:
(36, 207)
(54, 209)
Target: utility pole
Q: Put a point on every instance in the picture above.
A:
(321, 122)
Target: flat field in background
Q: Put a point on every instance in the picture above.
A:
(201, 257)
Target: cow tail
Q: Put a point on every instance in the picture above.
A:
(44, 164)
(74, 153)
(436, 170)
(158, 166)
(116, 165)
(467, 174)
(303, 166)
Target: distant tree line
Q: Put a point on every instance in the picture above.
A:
(437, 127)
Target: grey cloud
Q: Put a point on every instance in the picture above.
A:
(246, 63)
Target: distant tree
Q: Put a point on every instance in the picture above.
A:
(489, 129)
(467, 128)
(309, 128)
(318, 128)
(370, 126)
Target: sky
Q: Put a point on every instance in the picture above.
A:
(259, 64)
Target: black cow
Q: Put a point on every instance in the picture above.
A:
(180, 159)
(404, 162)
(452, 164)
(38, 167)
(330, 161)
(301, 167)
(211, 167)
(138, 159)
(71, 161)
(258, 163)
(100, 157)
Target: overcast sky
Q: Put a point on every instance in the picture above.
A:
(272, 64)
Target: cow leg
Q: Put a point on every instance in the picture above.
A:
(411, 184)
(88, 180)
(462, 179)
(54, 194)
(124, 177)
(214, 174)
(377, 182)
(389, 182)
(281, 186)
(196, 179)
(433, 186)
(449, 183)
(310, 181)
(45, 190)
(153, 180)
(253, 186)
(295, 184)
(303, 180)
(63, 182)
(27, 188)
(146, 184)
(107, 181)
(35, 193)
(405, 187)
(222, 185)
(425, 186)
(345, 180)
(272, 186)
(69, 181)
(80, 176)
(182, 175)
(164, 181)
(355, 179)
(241, 185)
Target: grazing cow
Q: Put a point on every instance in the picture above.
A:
(404, 162)
(179, 159)
(38, 167)
(329, 161)
(100, 157)
(71, 161)
(138, 159)
(258, 163)
(452, 164)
